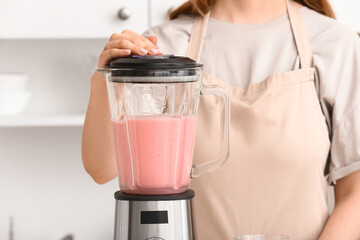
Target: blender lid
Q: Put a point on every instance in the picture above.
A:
(153, 69)
(153, 62)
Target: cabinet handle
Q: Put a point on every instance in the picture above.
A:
(124, 13)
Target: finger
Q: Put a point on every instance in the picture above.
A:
(106, 56)
(138, 48)
(137, 39)
(150, 44)
(119, 41)
(128, 34)
(137, 45)
(153, 39)
(115, 36)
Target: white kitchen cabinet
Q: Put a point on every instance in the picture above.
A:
(23, 19)
(159, 10)
(348, 12)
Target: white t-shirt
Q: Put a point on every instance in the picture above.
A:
(251, 52)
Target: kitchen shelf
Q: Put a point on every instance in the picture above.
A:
(43, 120)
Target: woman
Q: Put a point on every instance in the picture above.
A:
(295, 125)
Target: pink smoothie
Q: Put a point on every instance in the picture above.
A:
(161, 151)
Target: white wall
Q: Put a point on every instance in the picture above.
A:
(348, 12)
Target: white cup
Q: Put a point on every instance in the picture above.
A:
(13, 82)
(13, 94)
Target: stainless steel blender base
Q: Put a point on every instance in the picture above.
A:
(153, 217)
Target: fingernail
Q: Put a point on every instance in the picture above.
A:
(154, 50)
(127, 51)
(143, 51)
(160, 51)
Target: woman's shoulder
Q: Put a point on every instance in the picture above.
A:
(173, 35)
(325, 31)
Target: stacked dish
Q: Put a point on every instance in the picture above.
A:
(13, 93)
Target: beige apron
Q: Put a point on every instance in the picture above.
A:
(273, 182)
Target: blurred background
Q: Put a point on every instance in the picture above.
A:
(48, 52)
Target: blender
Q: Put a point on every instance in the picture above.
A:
(153, 103)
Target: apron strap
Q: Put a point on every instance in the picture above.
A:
(300, 34)
(297, 24)
(197, 37)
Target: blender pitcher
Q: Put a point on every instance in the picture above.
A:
(153, 102)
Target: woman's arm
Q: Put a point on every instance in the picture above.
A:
(344, 222)
(97, 141)
(97, 145)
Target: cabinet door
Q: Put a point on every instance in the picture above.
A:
(159, 10)
(69, 18)
(348, 12)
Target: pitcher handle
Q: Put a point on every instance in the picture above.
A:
(214, 164)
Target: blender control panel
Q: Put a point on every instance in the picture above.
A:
(154, 217)
(153, 220)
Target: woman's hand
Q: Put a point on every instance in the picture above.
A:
(126, 43)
